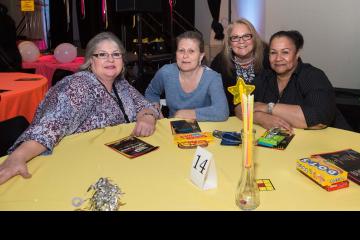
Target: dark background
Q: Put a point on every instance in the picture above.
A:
(93, 24)
(155, 23)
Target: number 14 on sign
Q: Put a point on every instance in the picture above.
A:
(203, 172)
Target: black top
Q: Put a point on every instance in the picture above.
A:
(309, 88)
(230, 80)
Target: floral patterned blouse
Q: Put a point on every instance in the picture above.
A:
(80, 103)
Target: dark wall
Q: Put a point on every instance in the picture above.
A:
(93, 24)
(88, 27)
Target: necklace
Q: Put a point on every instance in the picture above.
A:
(245, 62)
(120, 104)
(245, 70)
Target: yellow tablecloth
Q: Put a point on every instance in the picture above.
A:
(160, 180)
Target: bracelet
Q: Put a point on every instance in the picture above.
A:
(152, 114)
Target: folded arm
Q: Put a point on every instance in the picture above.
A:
(265, 120)
(291, 114)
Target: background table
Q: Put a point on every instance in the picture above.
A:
(160, 180)
(23, 97)
(47, 64)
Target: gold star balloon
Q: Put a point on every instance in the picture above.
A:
(239, 89)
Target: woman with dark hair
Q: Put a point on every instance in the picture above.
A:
(10, 58)
(293, 94)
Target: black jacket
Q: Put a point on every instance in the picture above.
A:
(309, 88)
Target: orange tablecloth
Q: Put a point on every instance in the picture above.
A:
(23, 97)
(47, 64)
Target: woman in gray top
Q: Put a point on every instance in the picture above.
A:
(193, 91)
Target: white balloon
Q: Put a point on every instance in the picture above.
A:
(29, 51)
(65, 52)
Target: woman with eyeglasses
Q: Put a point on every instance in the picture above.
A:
(96, 97)
(192, 90)
(242, 56)
(293, 94)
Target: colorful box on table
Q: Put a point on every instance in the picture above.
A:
(198, 136)
(326, 174)
(276, 138)
(337, 186)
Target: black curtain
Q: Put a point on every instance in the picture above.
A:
(89, 26)
(59, 31)
(214, 6)
(92, 23)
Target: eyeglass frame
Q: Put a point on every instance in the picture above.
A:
(249, 36)
(107, 55)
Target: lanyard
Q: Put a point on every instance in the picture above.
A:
(120, 104)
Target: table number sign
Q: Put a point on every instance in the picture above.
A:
(203, 170)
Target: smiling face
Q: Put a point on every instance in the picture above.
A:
(241, 48)
(283, 56)
(188, 55)
(108, 68)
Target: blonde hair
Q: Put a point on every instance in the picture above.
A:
(258, 50)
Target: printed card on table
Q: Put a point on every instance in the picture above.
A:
(131, 146)
(203, 170)
(184, 126)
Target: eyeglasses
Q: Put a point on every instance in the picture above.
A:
(245, 37)
(105, 55)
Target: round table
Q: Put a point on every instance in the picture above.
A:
(20, 94)
(160, 180)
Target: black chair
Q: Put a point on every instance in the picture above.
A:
(28, 70)
(60, 74)
(10, 130)
(348, 102)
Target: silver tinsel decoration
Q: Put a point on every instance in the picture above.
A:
(105, 196)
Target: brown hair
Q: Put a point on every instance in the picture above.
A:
(192, 35)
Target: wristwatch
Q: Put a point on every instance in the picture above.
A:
(271, 105)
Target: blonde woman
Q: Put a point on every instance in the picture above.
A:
(242, 55)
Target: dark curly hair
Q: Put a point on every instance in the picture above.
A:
(293, 35)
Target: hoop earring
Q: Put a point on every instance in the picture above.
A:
(89, 68)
